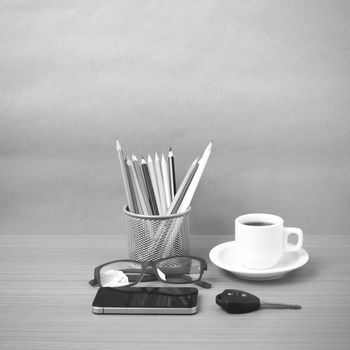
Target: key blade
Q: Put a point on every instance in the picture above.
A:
(279, 306)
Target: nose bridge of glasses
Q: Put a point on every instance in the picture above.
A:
(149, 267)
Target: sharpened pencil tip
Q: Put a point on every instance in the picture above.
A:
(149, 159)
(209, 147)
(133, 157)
(118, 145)
(156, 156)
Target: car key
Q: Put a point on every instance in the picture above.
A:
(239, 302)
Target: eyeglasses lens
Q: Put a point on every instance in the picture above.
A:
(120, 273)
(179, 270)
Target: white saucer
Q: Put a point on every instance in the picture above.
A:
(224, 256)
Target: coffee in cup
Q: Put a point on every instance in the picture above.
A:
(262, 239)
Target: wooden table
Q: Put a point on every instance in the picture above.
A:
(46, 301)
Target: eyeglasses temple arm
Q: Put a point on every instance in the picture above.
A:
(203, 284)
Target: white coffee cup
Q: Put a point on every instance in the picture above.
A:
(262, 239)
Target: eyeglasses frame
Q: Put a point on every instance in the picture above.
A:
(152, 264)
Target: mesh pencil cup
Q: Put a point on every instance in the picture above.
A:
(155, 237)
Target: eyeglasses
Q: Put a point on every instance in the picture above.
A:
(173, 269)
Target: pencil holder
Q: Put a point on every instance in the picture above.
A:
(155, 237)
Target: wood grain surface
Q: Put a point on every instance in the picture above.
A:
(45, 300)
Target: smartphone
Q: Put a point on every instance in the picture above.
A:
(146, 300)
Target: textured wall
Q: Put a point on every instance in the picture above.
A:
(266, 81)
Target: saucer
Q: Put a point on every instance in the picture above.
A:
(224, 256)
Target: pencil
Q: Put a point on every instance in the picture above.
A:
(138, 187)
(142, 183)
(125, 177)
(194, 183)
(160, 184)
(137, 202)
(153, 177)
(166, 183)
(173, 229)
(180, 194)
(132, 190)
(172, 178)
(150, 190)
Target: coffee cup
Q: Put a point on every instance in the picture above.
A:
(262, 240)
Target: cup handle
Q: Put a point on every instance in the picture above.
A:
(293, 247)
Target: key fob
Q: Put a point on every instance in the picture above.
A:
(237, 301)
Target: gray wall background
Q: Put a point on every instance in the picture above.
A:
(266, 81)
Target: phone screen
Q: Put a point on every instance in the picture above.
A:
(146, 300)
